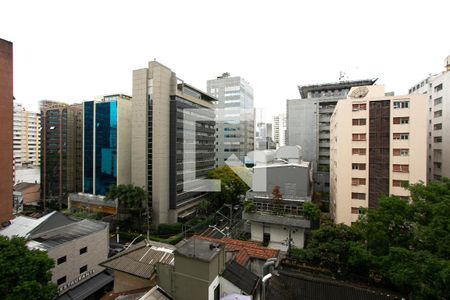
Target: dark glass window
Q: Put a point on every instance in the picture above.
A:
(61, 260)
(83, 269)
(61, 280)
(83, 250)
(88, 146)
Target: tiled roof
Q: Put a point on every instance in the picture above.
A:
(245, 249)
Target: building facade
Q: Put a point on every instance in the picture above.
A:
(378, 145)
(437, 89)
(173, 136)
(263, 137)
(61, 151)
(308, 125)
(26, 139)
(6, 133)
(235, 117)
(106, 143)
(279, 130)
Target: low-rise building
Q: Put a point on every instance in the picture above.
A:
(282, 183)
(26, 193)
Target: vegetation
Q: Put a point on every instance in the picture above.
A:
(402, 245)
(311, 211)
(24, 273)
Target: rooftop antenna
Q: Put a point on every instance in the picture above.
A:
(341, 75)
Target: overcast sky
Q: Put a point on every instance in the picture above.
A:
(77, 51)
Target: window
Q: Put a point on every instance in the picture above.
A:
(401, 104)
(437, 126)
(61, 260)
(61, 280)
(438, 101)
(358, 166)
(437, 165)
(401, 120)
(359, 151)
(438, 88)
(83, 269)
(438, 139)
(358, 122)
(438, 113)
(83, 250)
(359, 196)
(401, 152)
(359, 106)
(400, 168)
(358, 181)
(359, 137)
(401, 136)
(356, 210)
(400, 183)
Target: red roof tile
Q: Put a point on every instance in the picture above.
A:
(245, 249)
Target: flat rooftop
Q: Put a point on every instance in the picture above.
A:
(305, 89)
(200, 249)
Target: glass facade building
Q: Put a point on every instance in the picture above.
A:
(88, 174)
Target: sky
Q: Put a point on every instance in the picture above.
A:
(77, 50)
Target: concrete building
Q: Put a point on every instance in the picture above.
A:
(263, 137)
(26, 138)
(172, 146)
(61, 155)
(26, 193)
(280, 130)
(77, 247)
(437, 88)
(106, 143)
(282, 183)
(6, 133)
(235, 117)
(308, 125)
(378, 144)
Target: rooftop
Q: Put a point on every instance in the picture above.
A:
(24, 185)
(245, 250)
(198, 248)
(305, 89)
(141, 259)
(241, 277)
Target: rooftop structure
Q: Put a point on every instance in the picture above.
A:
(200, 249)
(241, 277)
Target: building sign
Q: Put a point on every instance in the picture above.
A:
(75, 281)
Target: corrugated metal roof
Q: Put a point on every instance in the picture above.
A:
(142, 259)
(241, 277)
(22, 226)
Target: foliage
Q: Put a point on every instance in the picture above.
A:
(403, 245)
(231, 187)
(249, 206)
(311, 211)
(169, 229)
(24, 273)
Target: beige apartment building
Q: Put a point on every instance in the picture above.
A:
(378, 145)
(26, 139)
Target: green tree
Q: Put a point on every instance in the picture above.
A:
(231, 187)
(24, 273)
(311, 211)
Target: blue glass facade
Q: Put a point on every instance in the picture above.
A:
(88, 147)
(105, 146)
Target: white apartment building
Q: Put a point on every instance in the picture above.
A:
(26, 136)
(378, 145)
(279, 129)
(437, 90)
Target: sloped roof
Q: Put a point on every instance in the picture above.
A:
(245, 249)
(241, 277)
(141, 260)
(24, 185)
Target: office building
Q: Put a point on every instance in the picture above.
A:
(106, 143)
(281, 186)
(263, 137)
(378, 145)
(61, 153)
(279, 130)
(26, 139)
(172, 145)
(308, 125)
(437, 88)
(235, 117)
(6, 132)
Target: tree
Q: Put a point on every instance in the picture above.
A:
(24, 273)
(231, 187)
(311, 211)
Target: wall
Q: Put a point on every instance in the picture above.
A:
(126, 282)
(6, 132)
(124, 142)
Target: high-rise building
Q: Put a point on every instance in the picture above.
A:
(6, 132)
(107, 143)
(378, 145)
(263, 137)
(172, 145)
(308, 125)
(26, 139)
(279, 129)
(235, 123)
(437, 89)
(61, 151)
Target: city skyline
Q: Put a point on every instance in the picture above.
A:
(81, 58)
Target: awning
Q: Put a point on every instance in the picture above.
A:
(87, 288)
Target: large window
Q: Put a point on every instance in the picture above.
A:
(359, 151)
(358, 136)
(401, 152)
(358, 166)
(400, 168)
(359, 196)
(359, 106)
(401, 136)
(358, 181)
(401, 120)
(401, 104)
(358, 122)
(400, 183)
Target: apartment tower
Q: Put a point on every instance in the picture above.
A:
(26, 139)
(378, 146)
(170, 146)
